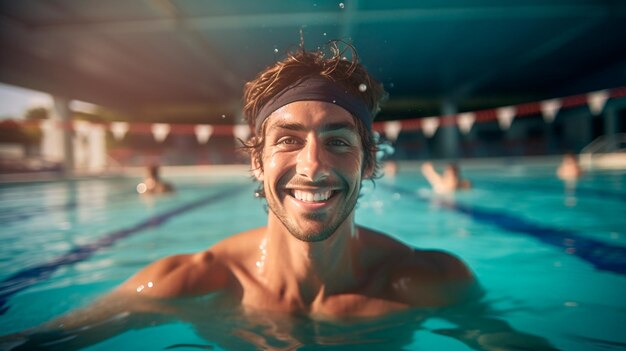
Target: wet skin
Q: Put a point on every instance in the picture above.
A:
(311, 258)
(310, 262)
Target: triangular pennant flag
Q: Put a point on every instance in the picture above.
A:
(160, 131)
(81, 128)
(505, 116)
(466, 121)
(430, 125)
(119, 129)
(47, 124)
(203, 132)
(392, 130)
(549, 109)
(241, 131)
(597, 100)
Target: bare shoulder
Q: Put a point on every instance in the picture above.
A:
(179, 275)
(193, 274)
(433, 278)
(240, 244)
(446, 266)
(424, 278)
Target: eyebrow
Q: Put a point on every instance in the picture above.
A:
(329, 127)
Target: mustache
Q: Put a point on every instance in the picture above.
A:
(301, 182)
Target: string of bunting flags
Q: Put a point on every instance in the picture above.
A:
(429, 125)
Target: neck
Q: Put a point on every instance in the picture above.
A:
(308, 270)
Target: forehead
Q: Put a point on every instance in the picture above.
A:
(310, 114)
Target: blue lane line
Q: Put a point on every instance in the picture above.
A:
(601, 255)
(577, 191)
(8, 216)
(28, 277)
(16, 214)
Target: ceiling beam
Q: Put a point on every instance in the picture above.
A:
(525, 58)
(199, 45)
(334, 17)
(54, 52)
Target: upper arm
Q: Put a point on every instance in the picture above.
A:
(178, 276)
(429, 172)
(435, 278)
(174, 276)
(451, 267)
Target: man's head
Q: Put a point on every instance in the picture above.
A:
(452, 170)
(348, 76)
(152, 171)
(312, 145)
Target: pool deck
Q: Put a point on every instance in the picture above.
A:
(599, 162)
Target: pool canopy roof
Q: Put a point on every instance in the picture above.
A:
(182, 59)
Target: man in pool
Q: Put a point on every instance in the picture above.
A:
(311, 149)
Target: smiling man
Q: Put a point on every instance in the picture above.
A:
(311, 149)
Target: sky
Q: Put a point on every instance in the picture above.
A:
(15, 101)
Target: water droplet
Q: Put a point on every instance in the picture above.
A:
(314, 5)
(341, 5)
(275, 50)
(571, 304)
(324, 33)
(223, 116)
(141, 188)
(334, 101)
(150, 284)
(140, 288)
(362, 87)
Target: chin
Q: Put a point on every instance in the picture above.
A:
(312, 236)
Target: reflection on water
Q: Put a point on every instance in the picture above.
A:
(223, 324)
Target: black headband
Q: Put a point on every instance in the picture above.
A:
(316, 88)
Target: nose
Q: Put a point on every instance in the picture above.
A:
(311, 161)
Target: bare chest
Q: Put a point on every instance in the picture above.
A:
(362, 304)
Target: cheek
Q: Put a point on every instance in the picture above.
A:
(351, 165)
(274, 160)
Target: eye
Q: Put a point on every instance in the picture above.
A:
(287, 141)
(338, 142)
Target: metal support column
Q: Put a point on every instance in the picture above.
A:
(61, 112)
(448, 134)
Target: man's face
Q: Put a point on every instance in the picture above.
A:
(312, 168)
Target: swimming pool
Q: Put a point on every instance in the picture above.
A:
(551, 259)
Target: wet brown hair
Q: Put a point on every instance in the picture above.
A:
(339, 63)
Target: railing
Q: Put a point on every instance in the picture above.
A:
(602, 145)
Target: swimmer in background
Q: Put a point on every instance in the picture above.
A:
(152, 183)
(390, 168)
(569, 170)
(446, 183)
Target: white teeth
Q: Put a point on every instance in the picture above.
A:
(311, 196)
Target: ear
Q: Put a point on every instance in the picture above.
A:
(368, 171)
(257, 168)
(369, 164)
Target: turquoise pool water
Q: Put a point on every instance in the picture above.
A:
(551, 260)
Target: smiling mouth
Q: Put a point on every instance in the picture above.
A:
(312, 196)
